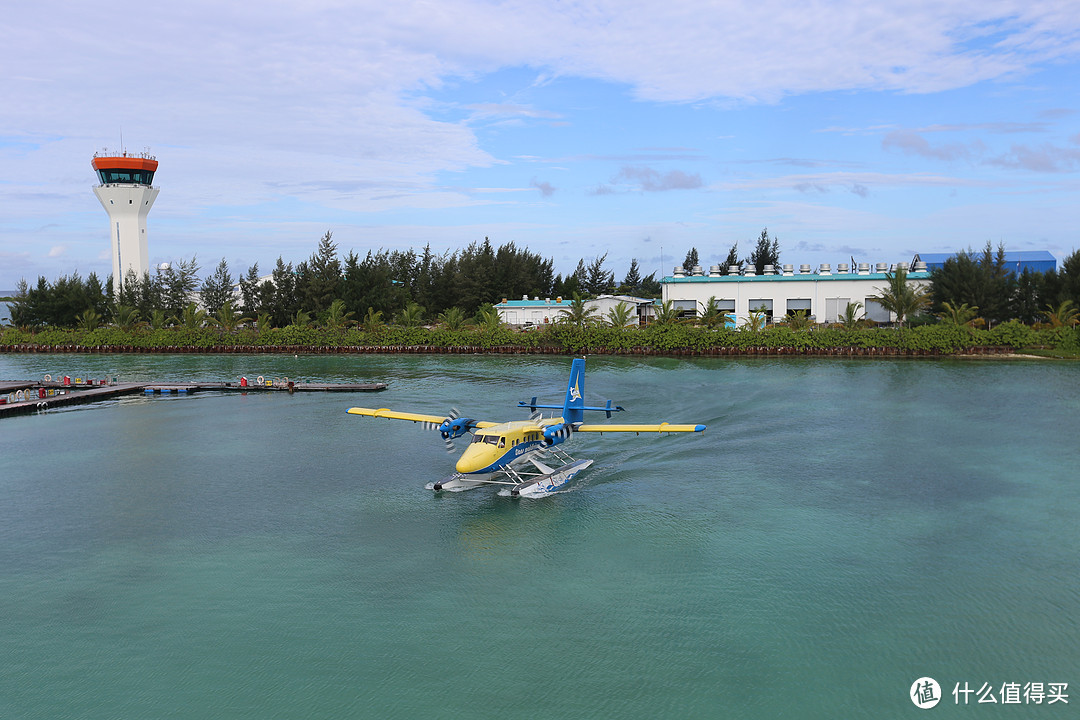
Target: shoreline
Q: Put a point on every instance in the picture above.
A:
(976, 352)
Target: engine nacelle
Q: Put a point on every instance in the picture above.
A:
(455, 428)
(555, 434)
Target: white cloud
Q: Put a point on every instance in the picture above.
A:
(328, 105)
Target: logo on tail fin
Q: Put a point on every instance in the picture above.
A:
(574, 402)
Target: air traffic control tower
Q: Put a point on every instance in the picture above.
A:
(127, 195)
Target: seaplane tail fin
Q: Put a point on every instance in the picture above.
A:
(574, 405)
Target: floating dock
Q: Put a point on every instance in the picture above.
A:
(34, 395)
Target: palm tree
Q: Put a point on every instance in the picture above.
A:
(452, 318)
(336, 316)
(412, 315)
(963, 316)
(89, 319)
(850, 319)
(126, 317)
(712, 315)
(1064, 315)
(302, 318)
(667, 314)
(619, 316)
(756, 321)
(487, 317)
(264, 322)
(798, 320)
(227, 318)
(193, 317)
(901, 298)
(373, 321)
(578, 313)
(158, 319)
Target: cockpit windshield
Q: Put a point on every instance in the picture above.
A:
(489, 439)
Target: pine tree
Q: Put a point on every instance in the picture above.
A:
(319, 281)
(249, 292)
(767, 252)
(598, 281)
(732, 259)
(178, 283)
(285, 303)
(632, 282)
(691, 260)
(217, 289)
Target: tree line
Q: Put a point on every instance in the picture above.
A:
(970, 288)
(393, 283)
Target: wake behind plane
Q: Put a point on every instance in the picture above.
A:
(524, 455)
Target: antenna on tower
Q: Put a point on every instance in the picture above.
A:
(122, 150)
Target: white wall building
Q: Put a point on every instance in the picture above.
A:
(545, 311)
(822, 292)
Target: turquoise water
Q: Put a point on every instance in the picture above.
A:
(842, 528)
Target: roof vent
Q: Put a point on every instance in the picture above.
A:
(768, 270)
(864, 268)
(825, 269)
(732, 269)
(804, 269)
(678, 271)
(841, 268)
(714, 271)
(881, 267)
(920, 266)
(788, 270)
(750, 270)
(696, 270)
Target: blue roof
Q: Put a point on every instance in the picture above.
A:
(912, 275)
(1016, 261)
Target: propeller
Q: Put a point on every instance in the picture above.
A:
(450, 428)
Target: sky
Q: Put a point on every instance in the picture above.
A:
(633, 128)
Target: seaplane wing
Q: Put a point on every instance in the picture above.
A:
(655, 428)
(413, 417)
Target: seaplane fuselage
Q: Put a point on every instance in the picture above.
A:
(496, 447)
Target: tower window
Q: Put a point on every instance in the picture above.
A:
(126, 177)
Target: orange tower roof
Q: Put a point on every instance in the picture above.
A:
(124, 162)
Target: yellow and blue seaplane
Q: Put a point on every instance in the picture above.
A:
(523, 454)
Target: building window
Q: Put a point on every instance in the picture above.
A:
(798, 304)
(761, 304)
(875, 312)
(686, 308)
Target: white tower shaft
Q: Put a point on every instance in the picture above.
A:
(127, 206)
